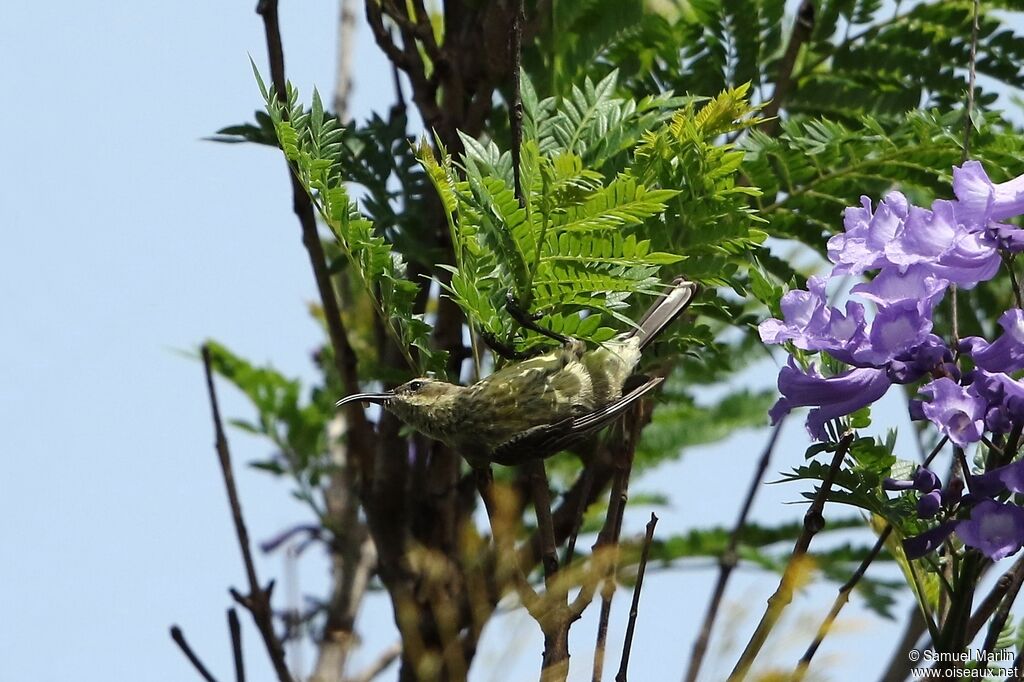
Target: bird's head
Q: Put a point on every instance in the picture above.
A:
(417, 402)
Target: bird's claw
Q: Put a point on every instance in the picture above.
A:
(528, 320)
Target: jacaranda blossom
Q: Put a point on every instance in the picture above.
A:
(958, 412)
(1005, 354)
(996, 530)
(980, 200)
(831, 397)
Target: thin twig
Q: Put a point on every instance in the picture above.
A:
(555, 618)
(179, 638)
(344, 356)
(840, 601)
(1017, 673)
(728, 560)
(542, 507)
(515, 111)
(257, 602)
(813, 522)
(235, 628)
(609, 538)
(990, 603)
(627, 644)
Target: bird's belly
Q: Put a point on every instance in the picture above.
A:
(502, 410)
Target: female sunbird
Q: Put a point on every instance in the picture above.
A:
(536, 407)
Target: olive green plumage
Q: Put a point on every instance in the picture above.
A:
(535, 407)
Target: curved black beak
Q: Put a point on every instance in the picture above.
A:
(378, 398)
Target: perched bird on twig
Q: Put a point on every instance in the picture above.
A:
(538, 406)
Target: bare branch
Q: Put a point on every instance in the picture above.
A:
(899, 663)
(344, 356)
(235, 628)
(972, 73)
(777, 603)
(609, 535)
(515, 110)
(257, 602)
(635, 606)
(838, 604)
(179, 638)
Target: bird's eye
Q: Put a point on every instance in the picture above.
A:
(415, 385)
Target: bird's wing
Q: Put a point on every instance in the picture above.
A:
(547, 439)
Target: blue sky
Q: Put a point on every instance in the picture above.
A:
(125, 238)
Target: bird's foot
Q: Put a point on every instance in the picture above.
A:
(528, 320)
(507, 351)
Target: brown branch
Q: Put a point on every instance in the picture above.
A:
(257, 602)
(418, 27)
(545, 523)
(564, 516)
(407, 58)
(635, 606)
(235, 628)
(991, 602)
(515, 110)
(375, 20)
(728, 560)
(813, 522)
(344, 356)
(179, 638)
(609, 535)
(554, 619)
(840, 601)
(801, 33)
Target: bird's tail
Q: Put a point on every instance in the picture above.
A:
(664, 311)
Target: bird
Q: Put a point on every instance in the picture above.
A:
(536, 407)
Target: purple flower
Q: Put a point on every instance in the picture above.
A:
(901, 236)
(957, 412)
(862, 246)
(1009, 477)
(896, 330)
(832, 397)
(930, 540)
(924, 480)
(929, 504)
(916, 284)
(1006, 237)
(997, 530)
(1005, 354)
(980, 200)
(920, 360)
(936, 240)
(999, 390)
(813, 325)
